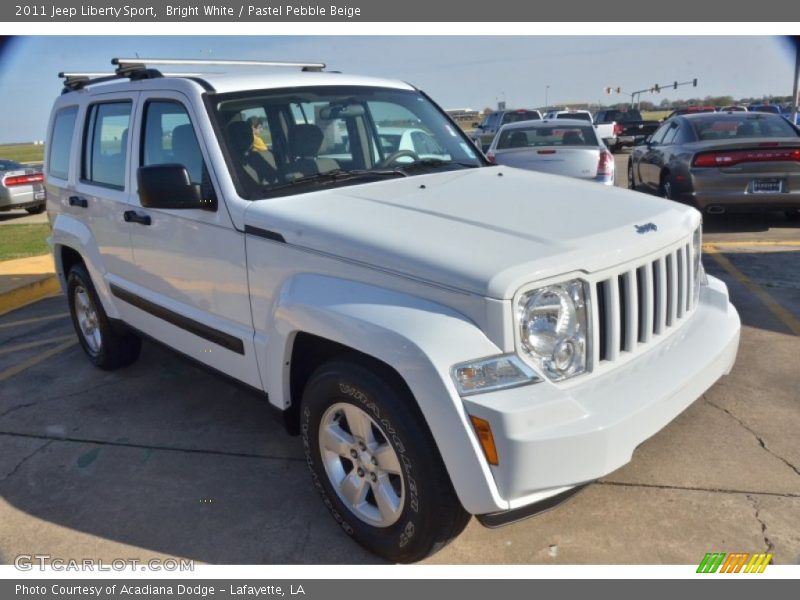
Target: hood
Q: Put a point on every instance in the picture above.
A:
(485, 231)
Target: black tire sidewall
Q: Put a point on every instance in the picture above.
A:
(79, 276)
(406, 539)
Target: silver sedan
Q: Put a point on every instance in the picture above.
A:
(21, 187)
(562, 147)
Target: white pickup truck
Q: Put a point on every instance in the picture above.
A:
(450, 338)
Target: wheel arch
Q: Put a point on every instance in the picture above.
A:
(412, 341)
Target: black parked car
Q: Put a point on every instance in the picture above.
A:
(722, 161)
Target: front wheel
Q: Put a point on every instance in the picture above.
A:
(665, 188)
(631, 180)
(35, 210)
(375, 464)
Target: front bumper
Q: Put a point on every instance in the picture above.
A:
(552, 437)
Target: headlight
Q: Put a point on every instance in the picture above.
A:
(553, 328)
(491, 374)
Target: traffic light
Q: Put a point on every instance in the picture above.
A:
(675, 86)
(608, 91)
(694, 82)
(619, 90)
(656, 89)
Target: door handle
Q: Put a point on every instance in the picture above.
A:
(131, 216)
(78, 201)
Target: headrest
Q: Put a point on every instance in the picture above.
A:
(183, 140)
(305, 140)
(240, 136)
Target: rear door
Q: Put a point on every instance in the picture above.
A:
(102, 192)
(191, 286)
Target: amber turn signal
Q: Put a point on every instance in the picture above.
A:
(486, 438)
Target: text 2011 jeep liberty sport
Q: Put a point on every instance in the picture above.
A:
(449, 338)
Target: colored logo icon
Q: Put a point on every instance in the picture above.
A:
(738, 562)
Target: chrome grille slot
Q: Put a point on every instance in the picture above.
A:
(638, 304)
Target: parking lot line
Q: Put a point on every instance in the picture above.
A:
(28, 345)
(35, 360)
(31, 321)
(751, 243)
(785, 317)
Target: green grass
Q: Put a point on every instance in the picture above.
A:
(19, 241)
(22, 152)
(654, 115)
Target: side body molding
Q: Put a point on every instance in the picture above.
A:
(420, 339)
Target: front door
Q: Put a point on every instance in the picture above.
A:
(191, 291)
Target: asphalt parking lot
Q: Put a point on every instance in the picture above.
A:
(163, 459)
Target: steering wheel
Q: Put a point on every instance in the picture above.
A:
(392, 158)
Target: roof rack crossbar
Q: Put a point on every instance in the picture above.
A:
(143, 62)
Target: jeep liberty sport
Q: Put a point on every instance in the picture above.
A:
(449, 338)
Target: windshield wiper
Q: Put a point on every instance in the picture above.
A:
(338, 175)
(435, 163)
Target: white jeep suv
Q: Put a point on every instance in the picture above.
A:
(450, 338)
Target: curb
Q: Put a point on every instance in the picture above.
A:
(44, 286)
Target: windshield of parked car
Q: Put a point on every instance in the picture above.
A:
(515, 116)
(286, 141)
(536, 136)
(741, 125)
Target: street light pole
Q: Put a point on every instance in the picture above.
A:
(546, 104)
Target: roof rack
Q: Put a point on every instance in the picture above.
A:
(125, 63)
(140, 68)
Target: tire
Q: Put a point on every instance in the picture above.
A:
(631, 180)
(346, 402)
(35, 210)
(106, 348)
(793, 216)
(665, 187)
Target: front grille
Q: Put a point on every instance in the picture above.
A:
(637, 305)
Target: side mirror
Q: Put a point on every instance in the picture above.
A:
(169, 186)
(477, 126)
(644, 141)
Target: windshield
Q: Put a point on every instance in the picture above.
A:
(741, 125)
(286, 141)
(537, 136)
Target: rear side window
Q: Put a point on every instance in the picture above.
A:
(169, 138)
(742, 125)
(61, 141)
(105, 144)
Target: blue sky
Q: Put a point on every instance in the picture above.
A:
(458, 72)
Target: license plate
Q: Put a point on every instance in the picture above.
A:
(39, 195)
(766, 186)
